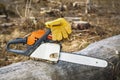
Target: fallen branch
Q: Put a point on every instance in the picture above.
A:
(7, 24)
(3, 16)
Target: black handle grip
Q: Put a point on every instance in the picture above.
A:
(30, 49)
(16, 41)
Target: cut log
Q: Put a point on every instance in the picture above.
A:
(77, 23)
(107, 49)
(80, 25)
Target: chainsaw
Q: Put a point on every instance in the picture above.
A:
(45, 49)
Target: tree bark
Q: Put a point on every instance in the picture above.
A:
(107, 49)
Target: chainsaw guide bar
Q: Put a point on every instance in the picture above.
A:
(51, 52)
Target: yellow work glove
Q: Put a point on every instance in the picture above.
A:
(60, 28)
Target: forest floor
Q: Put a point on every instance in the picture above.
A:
(102, 26)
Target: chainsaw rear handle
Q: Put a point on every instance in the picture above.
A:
(16, 41)
(31, 48)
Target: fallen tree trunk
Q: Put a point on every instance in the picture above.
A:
(35, 70)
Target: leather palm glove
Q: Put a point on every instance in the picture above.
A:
(60, 28)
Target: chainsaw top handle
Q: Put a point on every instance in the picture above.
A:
(31, 48)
